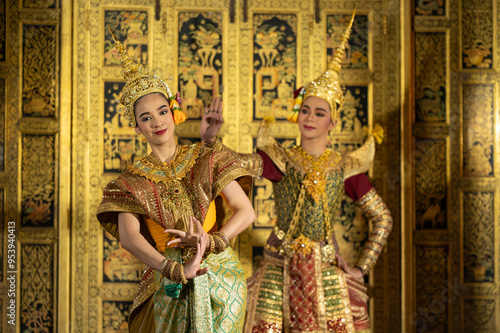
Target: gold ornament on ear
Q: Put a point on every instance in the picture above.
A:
(327, 86)
(139, 82)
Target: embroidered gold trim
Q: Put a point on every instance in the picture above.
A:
(157, 171)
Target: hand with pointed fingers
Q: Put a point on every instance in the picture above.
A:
(212, 121)
(190, 238)
(192, 267)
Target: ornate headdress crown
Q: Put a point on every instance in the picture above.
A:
(327, 86)
(140, 82)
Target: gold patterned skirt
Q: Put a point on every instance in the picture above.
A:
(214, 302)
(304, 294)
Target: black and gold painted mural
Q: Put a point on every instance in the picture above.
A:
(199, 60)
(61, 143)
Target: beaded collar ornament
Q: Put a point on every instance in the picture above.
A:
(327, 86)
(140, 82)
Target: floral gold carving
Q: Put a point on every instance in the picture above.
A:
(39, 70)
(479, 244)
(37, 289)
(38, 185)
(478, 129)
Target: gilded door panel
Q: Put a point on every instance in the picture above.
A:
(454, 54)
(477, 34)
(200, 63)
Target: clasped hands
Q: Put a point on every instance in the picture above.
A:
(197, 239)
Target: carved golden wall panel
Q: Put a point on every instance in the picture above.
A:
(200, 63)
(477, 34)
(2, 124)
(430, 8)
(468, 47)
(478, 121)
(489, 311)
(430, 77)
(38, 181)
(39, 70)
(432, 289)
(36, 310)
(2, 31)
(430, 182)
(2, 214)
(478, 237)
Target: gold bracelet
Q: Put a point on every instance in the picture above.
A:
(177, 275)
(163, 266)
(212, 244)
(221, 242)
(171, 271)
(223, 238)
(183, 277)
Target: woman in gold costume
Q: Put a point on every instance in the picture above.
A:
(192, 281)
(303, 283)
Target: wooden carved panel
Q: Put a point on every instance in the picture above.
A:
(40, 4)
(430, 77)
(477, 34)
(39, 70)
(481, 318)
(38, 181)
(199, 60)
(430, 7)
(131, 29)
(274, 64)
(1, 234)
(119, 265)
(37, 293)
(478, 129)
(431, 289)
(348, 134)
(115, 316)
(430, 182)
(478, 237)
(2, 124)
(2, 30)
(121, 145)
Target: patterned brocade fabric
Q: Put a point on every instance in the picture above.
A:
(168, 194)
(299, 287)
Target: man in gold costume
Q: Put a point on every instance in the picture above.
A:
(303, 283)
(192, 282)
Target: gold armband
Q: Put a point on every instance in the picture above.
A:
(378, 213)
(253, 163)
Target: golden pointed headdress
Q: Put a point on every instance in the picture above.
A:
(327, 86)
(139, 82)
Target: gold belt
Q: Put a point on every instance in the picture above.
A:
(302, 245)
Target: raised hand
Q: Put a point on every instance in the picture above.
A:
(189, 238)
(212, 121)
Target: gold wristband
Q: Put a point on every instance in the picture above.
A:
(181, 273)
(171, 271)
(163, 266)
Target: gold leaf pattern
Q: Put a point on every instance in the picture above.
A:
(39, 70)
(479, 233)
(38, 185)
(430, 183)
(37, 294)
(478, 122)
